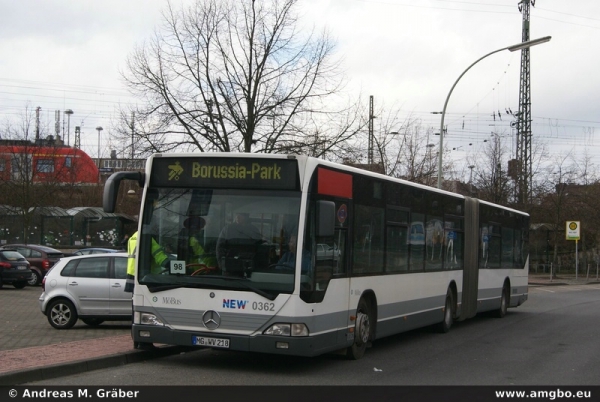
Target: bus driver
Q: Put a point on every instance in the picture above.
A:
(236, 238)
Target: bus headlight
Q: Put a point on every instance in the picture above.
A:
(285, 329)
(150, 319)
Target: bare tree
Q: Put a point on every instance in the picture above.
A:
(489, 177)
(233, 75)
(408, 153)
(336, 136)
(554, 206)
(571, 193)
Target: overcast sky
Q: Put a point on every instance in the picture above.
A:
(67, 54)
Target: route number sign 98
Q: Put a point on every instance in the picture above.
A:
(177, 267)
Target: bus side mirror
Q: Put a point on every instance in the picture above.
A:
(111, 188)
(325, 218)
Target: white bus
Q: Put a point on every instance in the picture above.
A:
(379, 255)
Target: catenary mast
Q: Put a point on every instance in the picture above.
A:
(524, 159)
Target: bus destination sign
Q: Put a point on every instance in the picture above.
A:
(280, 174)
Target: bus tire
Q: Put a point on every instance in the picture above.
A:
(92, 322)
(501, 312)
(448, 320)
(362, 331)
(143, 345)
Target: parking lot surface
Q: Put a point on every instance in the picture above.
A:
(24, 325)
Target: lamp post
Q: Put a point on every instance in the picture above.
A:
(471, 180)
(99, 128)
(513, 48)
(68, 112)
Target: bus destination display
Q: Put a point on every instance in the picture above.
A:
(225, 173)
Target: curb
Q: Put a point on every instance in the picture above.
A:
(82, 366)
(548, 284)
(561, 282)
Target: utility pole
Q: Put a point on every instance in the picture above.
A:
(99, 128)
(57, 123)
(37, 124)
(132, 132)
(77, 137)
(68, 112)
(371, 139)
(524, 158)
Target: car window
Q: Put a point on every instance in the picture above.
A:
(11, 256)
(92, 268)
(121, 268)
(25, 252)
(69, 268)
(35, 254)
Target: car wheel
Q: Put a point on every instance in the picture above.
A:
(35, 278)
(92, 322)
(19, 285)
(1, 284)
(61, 314)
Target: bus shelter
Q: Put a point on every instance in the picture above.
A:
(95, 228)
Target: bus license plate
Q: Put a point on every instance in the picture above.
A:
(211, 342)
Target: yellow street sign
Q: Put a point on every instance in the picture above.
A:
(572, 231)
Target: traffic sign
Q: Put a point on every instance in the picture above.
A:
(342, 214)
(573, 230)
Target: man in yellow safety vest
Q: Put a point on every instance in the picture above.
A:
(196, 253)
(160, 259)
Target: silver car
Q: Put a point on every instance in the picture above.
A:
(89, 287)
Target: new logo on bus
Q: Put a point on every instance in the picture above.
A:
(235, 304)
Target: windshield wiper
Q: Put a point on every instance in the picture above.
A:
(244, 282)
(162, 288)
(157, 287)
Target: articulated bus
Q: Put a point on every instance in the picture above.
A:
(371, 255)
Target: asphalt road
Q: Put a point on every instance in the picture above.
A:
(553, 339)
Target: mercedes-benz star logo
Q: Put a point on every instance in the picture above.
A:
(211, 319)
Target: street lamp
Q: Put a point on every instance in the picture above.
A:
(471, 180)
(519, 46)
(68, 112)
(99, 128)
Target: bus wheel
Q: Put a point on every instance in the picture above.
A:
(446, 324)
(362, 331)
(501, 312)
(92, 322)
(143, 345)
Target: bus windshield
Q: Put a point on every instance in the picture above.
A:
(218, 238)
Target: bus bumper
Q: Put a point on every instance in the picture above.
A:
(284, 345)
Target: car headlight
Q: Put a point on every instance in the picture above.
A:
(286, 329)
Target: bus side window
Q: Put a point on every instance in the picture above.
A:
(339, 249)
